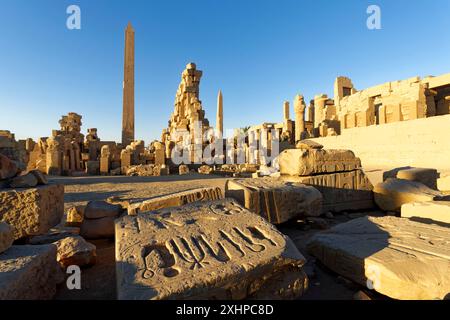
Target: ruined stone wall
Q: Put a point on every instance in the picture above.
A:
(421, 142)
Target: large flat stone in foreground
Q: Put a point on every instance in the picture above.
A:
(32, 211)
(274, 199)
(434, 211)
(28, 272)
(205, 250)
(397, 257)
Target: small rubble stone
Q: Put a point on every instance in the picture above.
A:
(28, 273)
(393, 193)
(74, 250)
(205, 250)
(75, 216)
(205, 169)
(6, 236)
(183, 169)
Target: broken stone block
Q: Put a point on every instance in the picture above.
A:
(423, 175)
(340, 191)
(102, 228)
(93, 167)
(204, 250)
(6, 236)
(160, 170)
(8, 168)
(275, 200)
(54, 235)
(176, 199)
(28, 273)
(183, 169)
(396, 257)
(308, 144)
(393, 193)
(301, 162)
(74, 250)
(75, 216)
(41, 178)
(393, 172)
(101, 209)
(24, 181)
(205, 169)
(431, 211)
(32, 211)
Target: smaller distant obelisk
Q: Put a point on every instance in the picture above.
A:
(219, 116)
(128, 88)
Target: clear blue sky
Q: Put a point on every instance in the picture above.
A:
(258, 52)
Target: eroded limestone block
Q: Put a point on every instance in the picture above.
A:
(102, 228)
(429, 211)
(8, 168)
(204, 250)
(28, 273)
(101, 209)
(423, 175)
(397, 257)
(6, 236)
(75, 216)
(341, 191)
(176, 199)
(32, 211)
(393, 193)
(74, 250)
(301, 162)
(275, 200)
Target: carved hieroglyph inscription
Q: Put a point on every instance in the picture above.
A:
(176, 199)
(214, 249)
(275, 200)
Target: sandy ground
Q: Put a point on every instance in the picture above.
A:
(98, 281)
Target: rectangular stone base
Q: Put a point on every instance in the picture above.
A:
(341, 191)
(32, 211)
(28, 273)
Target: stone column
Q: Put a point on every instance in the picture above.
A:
(286, 111)
(219, 116)
(319, 107)
(128, 88)
(299, 108)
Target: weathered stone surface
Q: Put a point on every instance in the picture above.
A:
(98, 228)
(425, 176)
(8, 168)
(393, 193)
(24, 181)
(93, 167)
(308, 144)
(341, 191)
(275, 200)
(6, 236)
(397, 257)
(443, 183)
(205, 250)
(183, 169)
(41, 178)
(437, 211)
(32, 211)
(301, 162)
(28, 273)
(75, 216)
(205, 169)
(74, 250)
(101, 209)
(54, 235)
(176, 199)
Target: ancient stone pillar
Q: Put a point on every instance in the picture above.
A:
(160, 158)
(299, 108)
(128, 88)
(286, 111)
(54, 157)
(219, 116)
(105, 158)
(319, 107)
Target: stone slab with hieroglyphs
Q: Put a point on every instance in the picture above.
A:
(205, 250)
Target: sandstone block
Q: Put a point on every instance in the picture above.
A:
(183, 169)
(308, 144)
(176, 199)
(74, 250)
(275, 200)
(423, 175)
(54, 235)
(397, 257)
(93, 167)
(101, 209)
(393, 193)
(340, 191)
(41, 178)
(102, 228)
(24, 181)
(28, 273)
(6, 236)
(8, 168)
(205, 250)
(75, 216)
(205, 169)
(437, 211)
(301, 162)
(443, 183)
(32, 211)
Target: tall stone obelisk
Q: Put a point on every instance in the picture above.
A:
(219, 115)
(128, 88)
